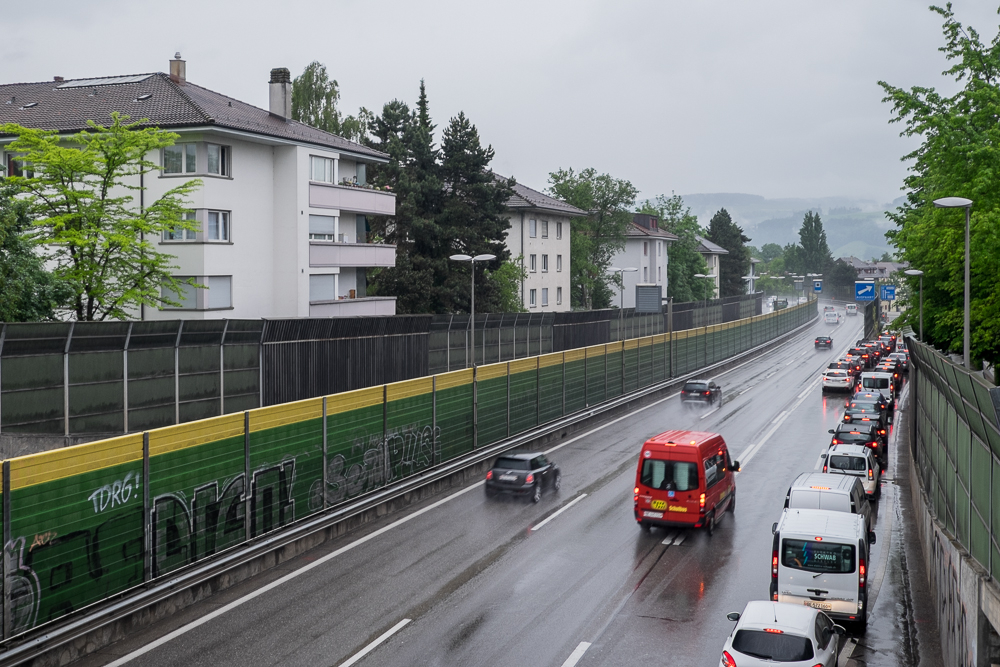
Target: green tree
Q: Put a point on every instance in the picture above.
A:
(314, 102)
(88, 227)
(770, 251)
(815, 253)
(732, 267)
(506, 284)
(958, 156)
(596, 238)
(842, 275)
(684, 260)
(30, 293)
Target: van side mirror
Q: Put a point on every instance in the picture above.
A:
(838, 630)
(823, 455)
(774, 527)
(733, 616)
(830, 431)
(736, 466)
(871, 537)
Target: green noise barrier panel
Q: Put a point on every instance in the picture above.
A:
(86, 523)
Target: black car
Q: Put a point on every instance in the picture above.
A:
(701, 391)
(824, 341)
(901, 359)
(863, 355)
(523, 474)
(860, 413)
(859, 434)
(869, 398)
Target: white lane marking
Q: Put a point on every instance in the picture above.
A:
(679, 540)
(710, 412)
(184, 629)
(752, 450)
(559, 511)
(819, 462)
(670, 537)
(745, 390)
(371, 647)
(577, 653)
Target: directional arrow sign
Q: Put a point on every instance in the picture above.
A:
(888, 293)
(864, 291)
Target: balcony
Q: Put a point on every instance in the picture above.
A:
(363, 307)
(358, 200)
(325, 253)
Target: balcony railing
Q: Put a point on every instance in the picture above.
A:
(359, 200)
(325, 253)
(365, 306)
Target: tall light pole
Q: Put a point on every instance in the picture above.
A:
(916, 272)
(621, 293)
(472, 309)
(704, 305)
(962, 202)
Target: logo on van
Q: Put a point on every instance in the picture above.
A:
(659, 504)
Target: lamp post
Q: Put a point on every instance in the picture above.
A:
(961, 202)
(621, 293)
(472, 309)
(916, 272)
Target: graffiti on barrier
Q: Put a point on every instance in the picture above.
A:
(24, 589)
(117, 493)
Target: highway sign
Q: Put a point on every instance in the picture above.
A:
(888, 293)
(817, 286)
(864, 291)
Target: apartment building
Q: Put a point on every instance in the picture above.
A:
(282, 214)
(712, 252)
(647, 251)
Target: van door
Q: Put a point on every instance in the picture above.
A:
(818, 573)
(716, 483)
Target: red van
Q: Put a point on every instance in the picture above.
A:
(684, 479)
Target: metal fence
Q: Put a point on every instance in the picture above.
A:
(956, 449)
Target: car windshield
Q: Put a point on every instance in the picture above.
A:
(512, 464)
(848, 463)
(815, 556)
(696, 386)
(782, 647)
(669, 475)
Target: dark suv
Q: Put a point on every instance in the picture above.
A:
(824, 341)
(523, 474)
(701, 391)
(860, 434)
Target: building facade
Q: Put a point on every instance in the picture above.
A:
(711, 252)
(282, 212)
(647, 251)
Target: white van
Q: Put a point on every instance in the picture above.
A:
(831, 318)
(851, 309)
(882, 383)
(824, 491)
(820, 559)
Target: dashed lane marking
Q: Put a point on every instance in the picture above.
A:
(371, 647)
(559, 511)
(577, 653)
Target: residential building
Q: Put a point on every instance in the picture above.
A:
(711, 252)
(539, 233)
(646, 250)
(282, 212)
(868, 270)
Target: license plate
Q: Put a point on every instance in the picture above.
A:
(508, 478)
(677, 508)
(825, 606)
(653, 515)
(658, 504)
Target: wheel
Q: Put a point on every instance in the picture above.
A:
(536, 494)
(878, 489)
(861, 625)
(644, 526)
(557, 482)
(710, 526)
(732, 504)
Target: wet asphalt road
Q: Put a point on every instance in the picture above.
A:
(481, 587)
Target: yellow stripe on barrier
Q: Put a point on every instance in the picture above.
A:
(660, 338)
(397, 391)
(285, 414)
(595, 351)
(58, 464)
(523, 365)
(353, 400)
(547, 360)
(631, 343)
(453, 379)
(647, 341)
(491, 371)
(192, 434)
(576, 354)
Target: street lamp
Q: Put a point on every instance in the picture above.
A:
(621, 294)
(962, 202)
(472, 309)
(917, 272)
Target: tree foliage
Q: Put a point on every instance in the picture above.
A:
(684, 260)
(958, 156)
(596, 238)
(87, 225)
(815, 256)
(733, 266)
(314, 102)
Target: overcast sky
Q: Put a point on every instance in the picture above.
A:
(771, 97)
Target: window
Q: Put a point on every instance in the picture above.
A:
(817, 556)
(558, 262)
(645, 274)
(220, 292)
(180, 159)
(714, 468)
(645, 248)
(218, 226)
(218, 159)
(545, 296)
(531, 263)
(531, 297)
(545, 229)
(532, 228)
(181, 234)
(17, 167)
(187, 298)
(779, 647)
(322, 228)
(322, 169)
(659, 248)
(659, 274)
(545, 263)
(558, 296)
(558, 230)
(323, 287)
(669, 475)
(362, 171)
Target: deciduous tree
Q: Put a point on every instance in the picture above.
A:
(684, 260)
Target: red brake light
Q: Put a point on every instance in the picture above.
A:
(727, 660)
(861, 571)
(871, 474)
(637, 490)
(774, 564)
(707, 393)
(530, 478)
(774, 631)
(489, 474)
(835, 442)
(701, 502)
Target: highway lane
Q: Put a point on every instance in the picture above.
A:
(481, 587)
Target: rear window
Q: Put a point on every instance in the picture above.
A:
(772, 646)
(696, 386)
(848, 463)
(849, 437)
(512, 464)
(814, 556)
(836, 373)
(669, 475)
(875, 383)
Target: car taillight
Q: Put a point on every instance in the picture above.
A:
(489, 474)
(824, 467)
(635, 496)
(529, 479)
(835, 442)
(882, 431)
(871, 474)
(707, 393)
(873, 444)
(861, 571)
(727, 660)
(774, 564)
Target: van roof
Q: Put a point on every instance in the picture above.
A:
(761, 614)
(825, 481)
(823, 523)
(688, 438)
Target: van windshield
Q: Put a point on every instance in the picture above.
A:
(814, 556)
(669, 475)
(773, 646)
(875, 383)
(849, 463)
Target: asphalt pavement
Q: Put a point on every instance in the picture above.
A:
(466, 580)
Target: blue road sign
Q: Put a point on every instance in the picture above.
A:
(817, 286)
(864, 291)
(888, 292)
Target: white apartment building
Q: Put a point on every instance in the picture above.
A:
(539, 233)
(646, 250)
(281, 214)
(711, 252)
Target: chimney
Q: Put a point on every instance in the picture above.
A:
(178, 69)
(281, 92)
(58, 79)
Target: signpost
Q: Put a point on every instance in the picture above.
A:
(888, 293)
(817, 286)
(864, 291)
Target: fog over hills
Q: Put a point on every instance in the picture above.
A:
(853, 226)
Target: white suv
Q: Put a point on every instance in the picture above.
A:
(858, 461)
(776, 632)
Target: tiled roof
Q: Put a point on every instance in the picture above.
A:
(709, 247)
(66, 106)
(640, 231)
(525, 197)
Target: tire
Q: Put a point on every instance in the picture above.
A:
(644, 526)
(710, 526)
(878, 490)
(861, 626)
(732, 504)
(557, 482)
(536, 494)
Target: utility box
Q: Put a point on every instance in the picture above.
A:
(648, 298)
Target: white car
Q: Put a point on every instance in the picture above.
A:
(770, 633)
(835, 378)
(831, 318)
(851, 309)
(856, 460)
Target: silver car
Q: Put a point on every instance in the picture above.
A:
(858, 461)
(770, 633)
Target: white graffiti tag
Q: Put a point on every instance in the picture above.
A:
(117, 493)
